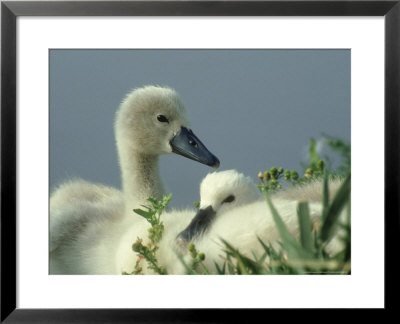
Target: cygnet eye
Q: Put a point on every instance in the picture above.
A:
(229, 199)
(162, 119)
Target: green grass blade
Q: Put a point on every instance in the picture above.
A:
(241, 268)
(263, 244)
(231, 270)
(245, 265)
(335, 208)
(205, 269)
(303, 215)
(325, 196)
(189, 270)
(289, 242)
(347, 256)
(220, 271)
(266, 253)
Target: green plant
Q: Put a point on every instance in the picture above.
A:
(196, 265)
(271, 180)
(148, 252)
(341, 148)
(276, 178)
(336, 147)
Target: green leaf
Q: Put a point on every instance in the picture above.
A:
(313, 154)
(166, 199)
(303, 214)
(335, 208)
(147, 207)
(143, 213)
(152, 200)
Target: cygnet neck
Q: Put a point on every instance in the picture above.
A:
(140, 179)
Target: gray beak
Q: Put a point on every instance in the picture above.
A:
(199, 224)
(187, 144)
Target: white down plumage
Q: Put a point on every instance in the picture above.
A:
(87, 220)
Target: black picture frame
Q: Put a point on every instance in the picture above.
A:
(10, 10)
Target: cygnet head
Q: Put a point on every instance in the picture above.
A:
(152, 121)
(219, 193)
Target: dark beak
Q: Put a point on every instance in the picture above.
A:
(187, 144)
(199, 224)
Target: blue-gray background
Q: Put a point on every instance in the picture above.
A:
(252, 108)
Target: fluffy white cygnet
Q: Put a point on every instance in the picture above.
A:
(232, 208)
(88, 220)
(216, 189)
